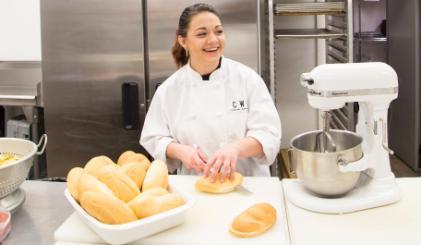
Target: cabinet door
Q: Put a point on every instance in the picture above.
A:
(403, 31)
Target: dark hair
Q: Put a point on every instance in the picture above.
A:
(178, 52)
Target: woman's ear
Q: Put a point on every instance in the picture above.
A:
(182, 41)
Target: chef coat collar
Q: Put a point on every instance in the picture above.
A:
(216, 74)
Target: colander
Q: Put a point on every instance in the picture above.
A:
(13, 174)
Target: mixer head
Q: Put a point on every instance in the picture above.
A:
(330, 86)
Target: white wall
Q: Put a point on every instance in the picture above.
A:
(20, 30)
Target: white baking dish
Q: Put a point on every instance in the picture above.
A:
(125, 233)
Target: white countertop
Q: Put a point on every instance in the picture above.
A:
(207, 222)
(395, 224)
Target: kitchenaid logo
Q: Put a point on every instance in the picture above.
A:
(339, 93)
(239, 105)
(329, 93)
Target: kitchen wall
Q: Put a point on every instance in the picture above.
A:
(20, 30)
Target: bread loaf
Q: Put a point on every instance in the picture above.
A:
(94, 165)
(120, 184)
(147, 205)
(72, 181)
(88, 182)
(107, 209)
(129, 157)
(122, 159)
(156, 191)
(254, 220)
(156, 176)
(135, 171)
(205, 185)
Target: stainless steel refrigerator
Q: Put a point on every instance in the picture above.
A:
(102, 61)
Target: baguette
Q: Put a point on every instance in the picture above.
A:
(107, 209)
(205, 185)
(254, 220)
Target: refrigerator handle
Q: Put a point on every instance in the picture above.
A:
(130, 101)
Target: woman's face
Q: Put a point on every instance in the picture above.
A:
(205, 40)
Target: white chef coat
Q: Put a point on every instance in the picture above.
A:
(234, 103)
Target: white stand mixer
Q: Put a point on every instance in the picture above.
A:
(373, 86)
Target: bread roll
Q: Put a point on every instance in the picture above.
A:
(254, 220)
(156, 191)
(136, 157)
(72, 181)
(135, 172)
(205, 185)
(156, 176)
(94, 165)
(88, 182)
(107, 209)
(122, 159)
(120, 184)
(147, 205)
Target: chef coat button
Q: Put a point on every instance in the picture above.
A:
(193, 117)
(219, 115)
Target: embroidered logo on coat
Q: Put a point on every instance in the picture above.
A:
(239, 105)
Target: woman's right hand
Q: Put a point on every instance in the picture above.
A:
(193, 158)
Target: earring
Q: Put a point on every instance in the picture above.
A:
(187, 52)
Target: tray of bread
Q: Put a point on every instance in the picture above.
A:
(127, 200)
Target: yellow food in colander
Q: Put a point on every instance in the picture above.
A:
(6, 158)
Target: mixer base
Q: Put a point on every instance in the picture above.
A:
(374, 193)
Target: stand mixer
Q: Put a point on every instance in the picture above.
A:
(373, 85)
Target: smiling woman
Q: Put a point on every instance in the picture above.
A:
(200, 37)
(213, 116)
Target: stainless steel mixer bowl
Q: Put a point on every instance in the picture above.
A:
(319, 171)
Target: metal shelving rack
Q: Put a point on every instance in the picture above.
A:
(338, 33)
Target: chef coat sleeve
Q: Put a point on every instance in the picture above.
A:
(155, 136)
(263, 121)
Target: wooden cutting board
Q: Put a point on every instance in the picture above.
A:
(207, 222)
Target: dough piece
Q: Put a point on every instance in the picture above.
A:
(72, 181)
(254, 221)
(156, 176)
(205, 185)
(107, 209)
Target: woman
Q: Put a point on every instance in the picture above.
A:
(213, 115)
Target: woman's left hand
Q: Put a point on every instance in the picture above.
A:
(224, 161)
